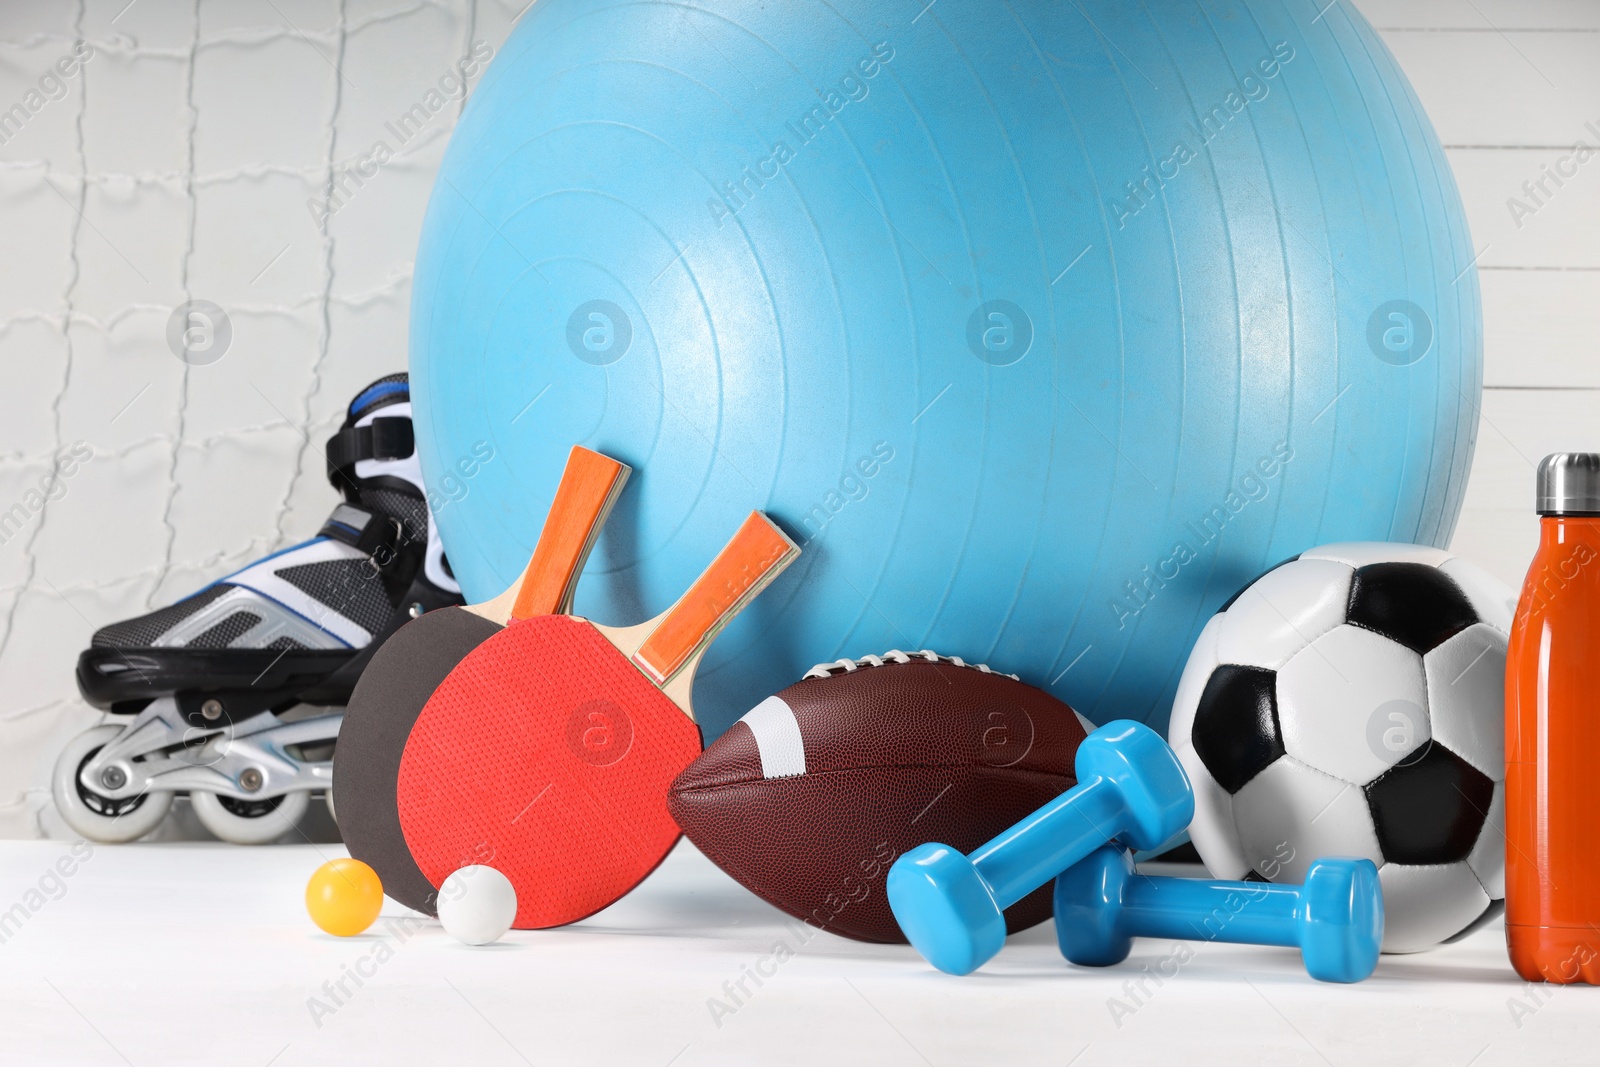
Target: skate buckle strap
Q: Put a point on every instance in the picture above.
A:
(382, 438)
(376, 535)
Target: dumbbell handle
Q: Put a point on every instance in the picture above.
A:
(1194, 910)
(1074, 824)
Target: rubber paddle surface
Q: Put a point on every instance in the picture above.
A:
(547, 755)
(390, 695)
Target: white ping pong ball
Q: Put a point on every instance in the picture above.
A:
(477, 905)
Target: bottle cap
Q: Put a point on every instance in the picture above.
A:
(1569, 484)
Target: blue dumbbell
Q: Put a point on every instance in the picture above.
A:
(1335, 919)
(950, 906)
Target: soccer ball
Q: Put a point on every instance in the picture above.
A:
(1351, 702)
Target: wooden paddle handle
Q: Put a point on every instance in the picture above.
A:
(757, 554)
(589, 488)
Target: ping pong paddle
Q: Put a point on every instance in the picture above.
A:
(411, 664)
(548, 751)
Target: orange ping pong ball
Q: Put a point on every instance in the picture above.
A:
(344, 897)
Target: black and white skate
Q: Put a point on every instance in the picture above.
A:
(205, 677)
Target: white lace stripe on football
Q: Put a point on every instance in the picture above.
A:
(1488, 856)
(777, 734)
(1088, 727)
(1212, 829)
(1466, 697)
(1290, 814)
(1196, 672)
(262, 579)
(1424, 905)
(1494, 600)
(1361, 553)
(1352, 704)
(1283, 611)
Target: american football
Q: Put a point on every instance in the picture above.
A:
(808, 799)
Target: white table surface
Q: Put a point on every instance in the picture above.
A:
(203, 954)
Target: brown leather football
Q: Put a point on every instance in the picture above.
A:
(808, 798)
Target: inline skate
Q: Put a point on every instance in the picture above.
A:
(209, 688)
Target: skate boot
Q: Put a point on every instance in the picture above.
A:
(201, 689)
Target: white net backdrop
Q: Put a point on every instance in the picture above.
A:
(186, 159)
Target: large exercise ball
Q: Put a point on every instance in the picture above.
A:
(1042, 326)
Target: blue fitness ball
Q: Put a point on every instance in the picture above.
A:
(1042, 326)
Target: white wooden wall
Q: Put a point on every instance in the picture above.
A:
(162, 146)
(1510, 85)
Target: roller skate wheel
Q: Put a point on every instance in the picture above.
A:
(250, 822)
(96, 817)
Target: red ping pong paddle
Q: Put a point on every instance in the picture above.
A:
(404, 672)
(548, 752)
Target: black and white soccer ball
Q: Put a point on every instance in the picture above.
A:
(1351, 702)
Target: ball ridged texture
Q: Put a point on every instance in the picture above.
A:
(1043, 329)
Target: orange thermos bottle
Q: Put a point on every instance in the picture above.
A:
(1553, 736)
